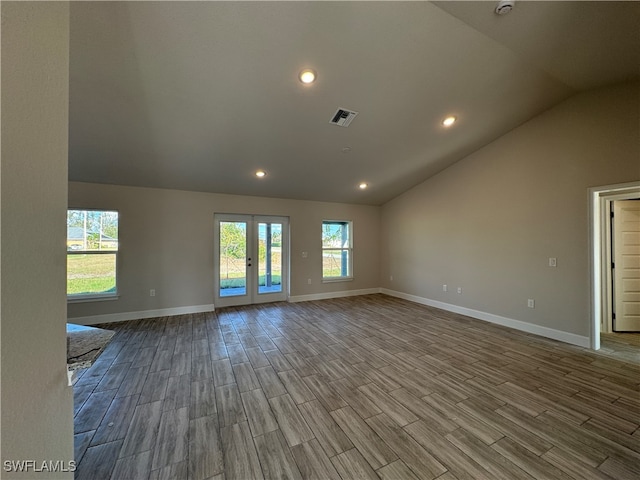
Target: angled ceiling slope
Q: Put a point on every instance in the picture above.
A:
(200, 95)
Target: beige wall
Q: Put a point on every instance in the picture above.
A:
(489, 223)
(166, 243)
(37, 405)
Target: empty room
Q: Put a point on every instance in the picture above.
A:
(320, 240)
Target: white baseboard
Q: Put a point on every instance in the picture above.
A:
(325, 296)
(566, 337)
(122, 317)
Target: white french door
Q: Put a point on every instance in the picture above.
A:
(251, 259)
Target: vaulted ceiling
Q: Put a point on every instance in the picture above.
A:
(200, 95)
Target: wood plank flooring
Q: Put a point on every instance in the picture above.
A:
(623, 346)
(353, 388)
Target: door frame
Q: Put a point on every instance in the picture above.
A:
(600, 199)
(252, 296)
(617, 244)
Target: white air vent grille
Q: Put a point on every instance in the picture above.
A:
(343, 117)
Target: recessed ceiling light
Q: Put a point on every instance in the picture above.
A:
(363, 185)
(447, 122)
(307, 76)
(261, 173)
(346, 149)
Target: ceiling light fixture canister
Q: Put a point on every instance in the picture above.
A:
(447, 122)
(261, 173)
(363, 185)
(307, 76)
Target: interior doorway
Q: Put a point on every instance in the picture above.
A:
(600, 203)
(251, 259)
(625, 243)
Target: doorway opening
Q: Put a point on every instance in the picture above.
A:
(251, 259)
(625, 242)
(600, 202)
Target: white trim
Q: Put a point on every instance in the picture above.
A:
(251, 295)
(600, 199)
(349, 249)
(92, 298)
(325, 296)
(122, 317)
(489, 317)
(337, 279)
(566, 337)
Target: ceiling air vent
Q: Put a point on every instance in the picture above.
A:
(343, 117)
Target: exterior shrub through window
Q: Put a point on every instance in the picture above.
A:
(336, 250)
(92, 253)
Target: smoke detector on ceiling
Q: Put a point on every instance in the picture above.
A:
(343, 117)
(504, 7)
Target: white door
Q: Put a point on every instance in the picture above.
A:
(251, 259)
(626, 259)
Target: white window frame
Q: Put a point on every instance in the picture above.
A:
(348, 248)
(94, 297)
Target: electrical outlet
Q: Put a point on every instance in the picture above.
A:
(308, 281)
(444, 288)
(531, 303)
(460, 290)
(152, 292)
(553, 262)
(305, 254)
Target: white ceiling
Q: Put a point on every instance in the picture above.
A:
(199, 95)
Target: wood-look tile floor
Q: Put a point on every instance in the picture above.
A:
(356, 388)
(623, 346)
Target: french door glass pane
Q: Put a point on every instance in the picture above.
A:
(233, 259)
(269, 257)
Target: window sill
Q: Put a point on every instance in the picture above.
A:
(337, 279)
(91, 298)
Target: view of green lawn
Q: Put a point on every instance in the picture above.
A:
(88, 274)
(233, 264)
(238, 280)
(332, 264)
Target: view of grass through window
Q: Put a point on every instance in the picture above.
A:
(92, 249)
(336, 249)
(233, 255)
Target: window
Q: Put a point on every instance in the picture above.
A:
(92, 253)
(337, 251)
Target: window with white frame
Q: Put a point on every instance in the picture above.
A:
(92, 253)
(337, 250)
